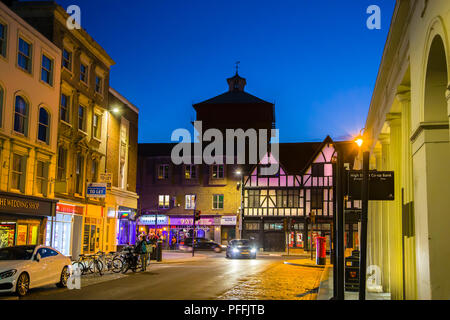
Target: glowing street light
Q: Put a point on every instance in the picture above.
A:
(359, 141)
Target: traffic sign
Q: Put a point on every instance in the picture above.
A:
(381, 185)
(96, 190)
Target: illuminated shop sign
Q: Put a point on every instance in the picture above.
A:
(186, 221)
(228, 220)
(150, 220)
(26, 205)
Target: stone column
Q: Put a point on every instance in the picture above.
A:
(384, 217)
(395, 218)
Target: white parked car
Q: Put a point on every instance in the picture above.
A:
(26, 267)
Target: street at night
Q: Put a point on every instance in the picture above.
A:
(210, 278)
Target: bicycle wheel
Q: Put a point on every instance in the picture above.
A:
(117, 265)
(95, 266)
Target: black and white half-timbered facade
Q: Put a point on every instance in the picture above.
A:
(290, 207)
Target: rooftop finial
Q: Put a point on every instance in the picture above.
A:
(237, 66)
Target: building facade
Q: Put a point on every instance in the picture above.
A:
(407, 131)
(121, 164)
(80, 221)
(29, 109)
(290, 208)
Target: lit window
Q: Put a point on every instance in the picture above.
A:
(163, 201)
(47, 69)
(79, 174)
(218, 201)
(24, 55)
(190, 201)
(43, 132)
(217, 171)
(3, 41)
(190, 172)
(21, 115)
(96, 130)
(18, 172)
(41, 177)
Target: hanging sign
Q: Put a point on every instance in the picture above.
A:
(381, 185)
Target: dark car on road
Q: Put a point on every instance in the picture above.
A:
(200, 244)
(239, 248)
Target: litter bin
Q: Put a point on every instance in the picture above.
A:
(159, 250)
(153, 252)
(321, 252)
(352, 272)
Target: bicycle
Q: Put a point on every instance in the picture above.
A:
(131, 260)
(112, 261)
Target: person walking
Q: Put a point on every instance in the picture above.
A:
(173, 243)
(143, 251)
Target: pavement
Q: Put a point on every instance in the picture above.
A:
(326, 289)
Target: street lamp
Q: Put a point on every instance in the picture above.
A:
(239, 173)
(364, 213)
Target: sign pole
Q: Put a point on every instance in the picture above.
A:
(364, 211)
(193, 221)
(340, 264)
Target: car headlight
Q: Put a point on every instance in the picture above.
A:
(7, 274)
(253, 250)
(235, 250)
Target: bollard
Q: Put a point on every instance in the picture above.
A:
(321, 253)
(159, 250)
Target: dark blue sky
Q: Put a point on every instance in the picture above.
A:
(315, 59)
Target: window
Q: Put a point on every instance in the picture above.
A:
(65, 108)
(82, 118)
(163, 201)
(293, 198)
(47, 70)
(43, 132)
(190, 172)
(316, 198)
(24, 55)
(282, 201)
(67, 59)
(98, 84)
(41, 177)
(190, 201)
(94, 171)
(317, 169)
(18, 172)
(217, 171)
(218, 201)
(252, 226)
(96, 129)
(62, 163)
(253, 198)
(3, 40)
(273, 226)
(84, 73)
(79, 174)
(163, 171)
(21, 115)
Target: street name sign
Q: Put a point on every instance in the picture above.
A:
(381, 185)
(96, 190)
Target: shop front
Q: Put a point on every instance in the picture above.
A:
(64, 229)
(182, 227)
(228, 228)
(23, 219)
(155, 224)
(126, 228)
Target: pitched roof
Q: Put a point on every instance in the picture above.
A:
(235, 97)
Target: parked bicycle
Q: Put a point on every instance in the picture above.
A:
(89, 264)
(112, 261)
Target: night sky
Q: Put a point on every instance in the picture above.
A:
(315, 59)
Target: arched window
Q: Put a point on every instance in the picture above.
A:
(21, 115)
(44, 120)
